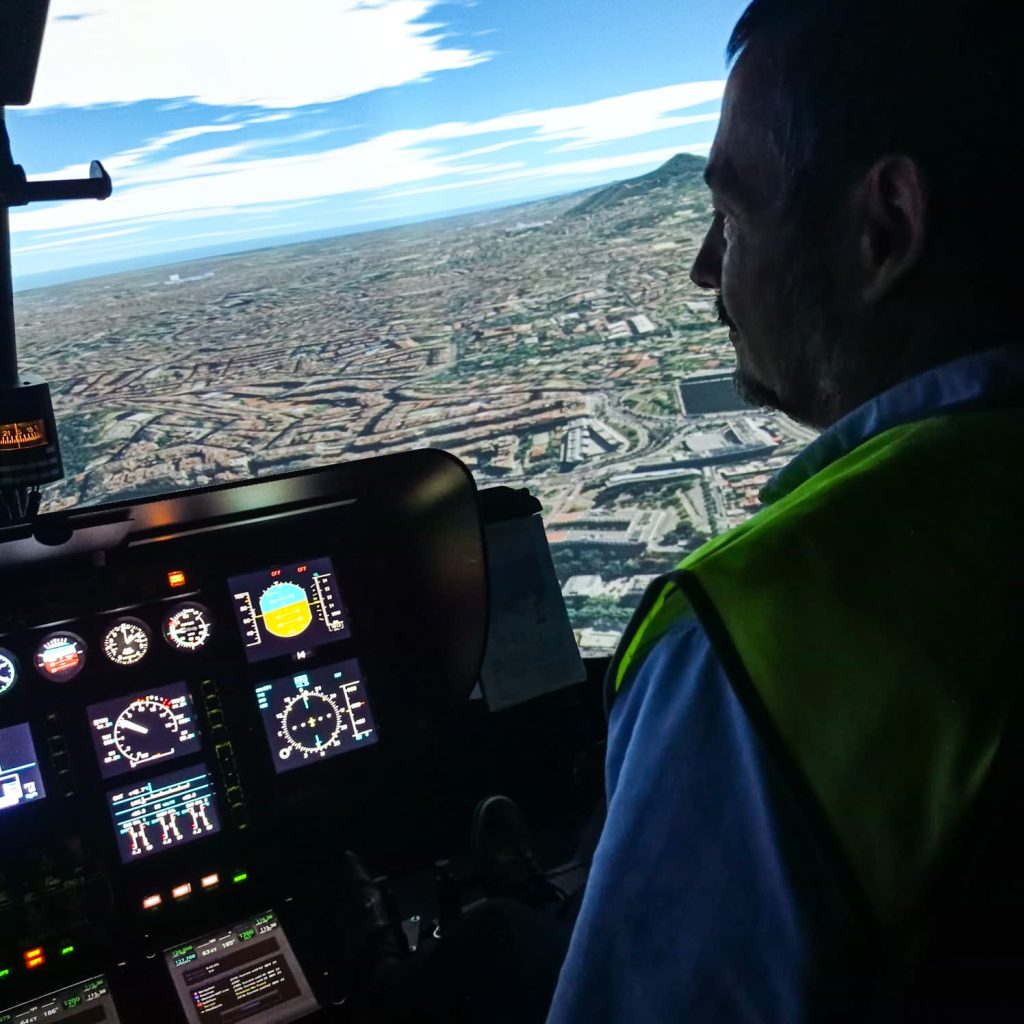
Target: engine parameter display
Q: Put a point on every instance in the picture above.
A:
(167, 811)
(142, 728)
(20, 779)
(246, 972)
(289, 608)
(316, 714)
(86, 1002)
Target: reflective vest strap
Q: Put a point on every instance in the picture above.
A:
(662, 606)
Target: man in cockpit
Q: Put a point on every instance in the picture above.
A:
(812, 724)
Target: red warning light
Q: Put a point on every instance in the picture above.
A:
(34, 957)
(176, 578)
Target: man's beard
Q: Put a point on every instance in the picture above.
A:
(805, 342)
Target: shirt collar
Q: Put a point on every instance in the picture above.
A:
(993, 378)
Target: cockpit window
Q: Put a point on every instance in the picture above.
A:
(386, 225)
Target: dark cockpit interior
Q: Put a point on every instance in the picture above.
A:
(210, 698)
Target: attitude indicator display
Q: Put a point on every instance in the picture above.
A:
(170, 810)
(143, 728)
(20, 778)
(288, 609)
(60, 656)
(315, 715)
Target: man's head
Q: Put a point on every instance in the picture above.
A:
(863, 178)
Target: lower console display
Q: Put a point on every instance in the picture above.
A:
(167, 811)
(137, 730)
(316, 714)
(87, 1002)
(247, 972)
(20, 781)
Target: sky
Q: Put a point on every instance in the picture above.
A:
(236, 122)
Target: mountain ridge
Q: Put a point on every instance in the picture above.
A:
(682, 171)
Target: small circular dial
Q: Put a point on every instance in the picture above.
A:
(126, 642)
(8, 671)
(146, 730)
(310, 724)
(60, 656)
(188, 627)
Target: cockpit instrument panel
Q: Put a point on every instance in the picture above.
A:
(164, 674)
(20, 779)
(289, 609)
(141, 728)
(314, 715)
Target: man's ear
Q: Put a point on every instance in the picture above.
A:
(893, 212)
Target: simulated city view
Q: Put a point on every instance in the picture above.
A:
(557, 345)
(375, 225)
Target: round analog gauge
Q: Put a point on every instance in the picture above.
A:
(146, 730)
(188, 627)
(60, 656)
(126, 642)
(8, 671)
(310, 724)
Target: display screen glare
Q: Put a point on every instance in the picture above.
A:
(289, 608)
(316, 714)
(20, 779)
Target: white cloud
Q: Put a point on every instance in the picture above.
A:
(238, 52)
(235, 177)
(74, 241)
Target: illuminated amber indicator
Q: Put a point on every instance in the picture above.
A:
(26, 434)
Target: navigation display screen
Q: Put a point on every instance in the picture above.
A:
(316, 714)
(142, 728)
(20, 780)
(290, 608)
(170, 810)
(244, 973)
(86, 1002)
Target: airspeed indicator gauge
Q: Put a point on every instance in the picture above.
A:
(146, 730)
(188, 627)
(8, 670)
(126, 642)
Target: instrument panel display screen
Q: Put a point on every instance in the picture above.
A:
(289, 608)
(87, 1002)
(143, 728)
(247, 972)
(164, 812)
(20, 779)
(316, 714)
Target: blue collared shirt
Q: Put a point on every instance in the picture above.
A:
(708, 898)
